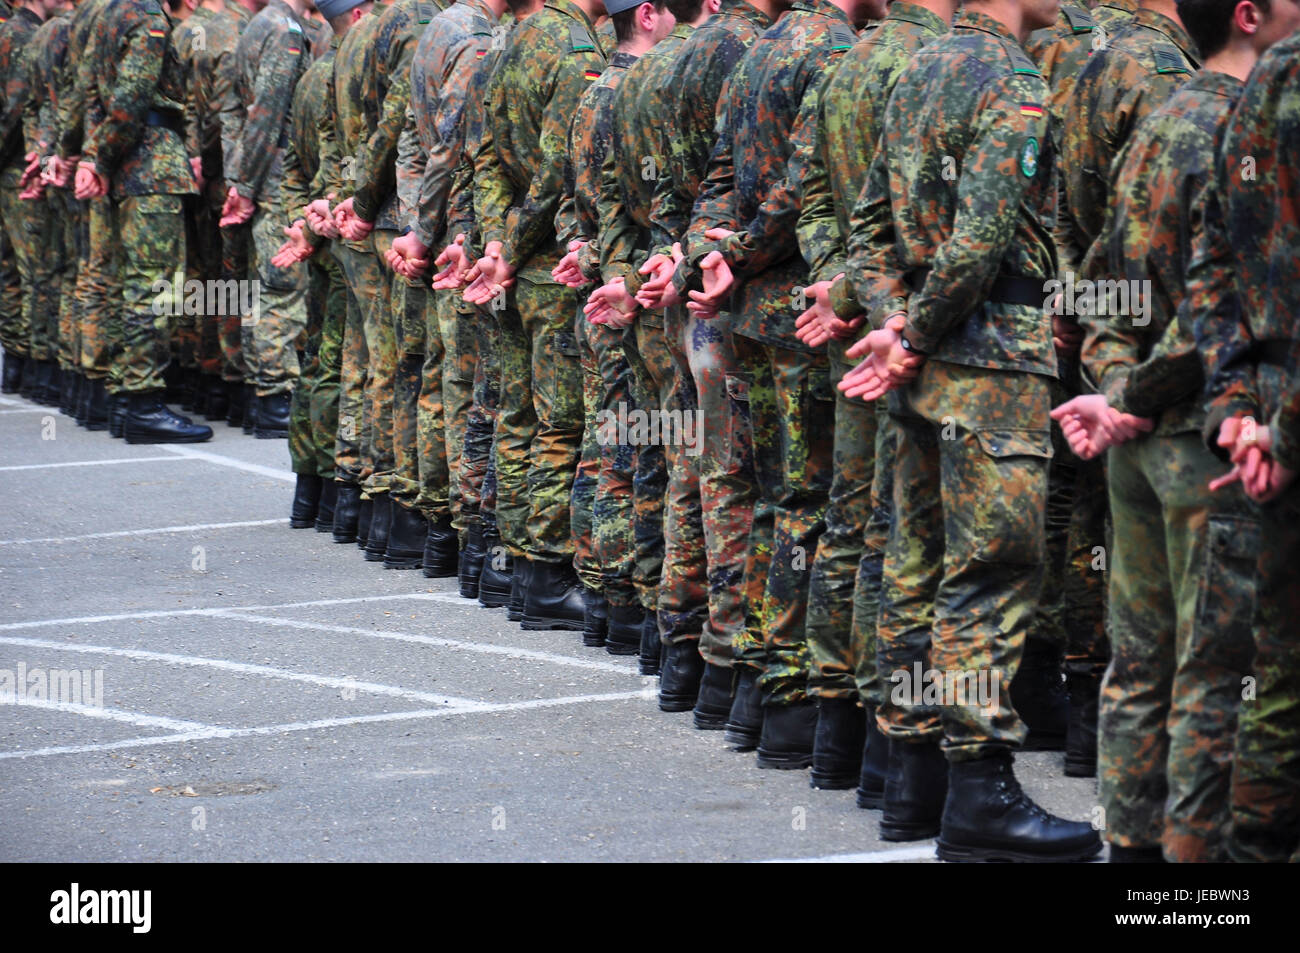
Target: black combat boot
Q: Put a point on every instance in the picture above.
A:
(623, 636)
(250, 409)
(595, 617)
(470, 567)
(680, 674)
(69, 392)
(713, 704)
(1136, 855)
(653, 648)
(83, 401)
(788, 734)
(174, 382)
(216, 398)
(837, 745)
(916, 787)
(273, 416)
(30, 381)
(496, 580)
(190, 392)
(519, 582)
(365, 514)
(744, 724)
(381, 522)
(103, 409)
(347, 513)
(407, 532)
(234, 404)
(988, 817)
(149, 420)
(1038, 695)
(12, 380)
(306, 501)
(441, 549)
(875, 765)
(553, 599)
(42, 385)
(1081, 730)
(329, 495)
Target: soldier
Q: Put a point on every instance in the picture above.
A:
(1243, 284)
(11, 305)
(844, 591)
(547, 64)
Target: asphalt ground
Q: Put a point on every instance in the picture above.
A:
(267, 695)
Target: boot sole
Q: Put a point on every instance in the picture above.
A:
(915, 830)
(785, 761)
(468, 590)
(270, 434)
(618, 648)
(372, 557)
(302, 523)
(345, 538)
(438, 572)
(871, 800)
(1038, 741)
(833, 782)
(136, 440)
(532, 623)
(402, 562)
(710, 722)
(675, 702)
(740, 739)
(493, 598)
(593, 641)
(1080, 769)
(651, 670)
(974, 855)
(325, 527)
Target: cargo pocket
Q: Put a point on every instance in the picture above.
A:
(1006, 496)
(1225, 596)
(737, 422)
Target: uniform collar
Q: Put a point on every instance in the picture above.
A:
(682, 31)
(621, 59)
(572, 10)
(1128, 6)
(1170, 28)
(478, 6)
(823, 7)
(746, 11)
(915, 13)
(972, 20)
(1215, 82)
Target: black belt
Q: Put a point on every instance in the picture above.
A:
(1276, 351)
(169, 120)
(1007, 289)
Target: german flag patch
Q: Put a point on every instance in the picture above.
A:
(157, 33)
(1031, 109)
(591, 73)
(294, 51)
(480, 53)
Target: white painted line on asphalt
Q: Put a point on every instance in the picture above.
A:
(437, 641)
(193, 528)
(245, 668)
(30, 410)
(325, 723)
(114, 714)
(12, 402)
(920, 852)
(225, 461)
(91, 463)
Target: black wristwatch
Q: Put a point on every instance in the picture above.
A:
(909, 347)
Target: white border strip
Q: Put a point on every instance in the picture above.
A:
(193, 528)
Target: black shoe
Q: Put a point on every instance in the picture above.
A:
(988, 817)
(1038, 695)
(519, 581)
(744, 725)
(553, 599)
(713, 704)
(250, 408)
(69, 393)
(916, 787)
(174, 382)
(82, 413)
(364, 516)
(234, 404)
(149, 420)
(381, 522)
(216, 398)
(1081, 729)
(31, 371)
(595, 618)
(103, 409)
(441, 549)
(497, 578)
(788, 735)
(652, 650)
(306, 501)
(680, 674)
(347, 513)
(12, 379)
(837, 745)
(272, 416)
(47, 387)
(623, 634)
(470, 568)
(190, 390)
(407, 531)
(875, 765)
(329, 495)
(1136, 855)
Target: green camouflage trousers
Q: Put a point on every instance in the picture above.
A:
(728, 487)
(270, 338)
(30, 227)
(866, 592)
(478, 500)
(583, 499)
(445, 401)
(64, 213)
(314, 415)
(964, 561)
(414, 471)
(351, 453)
(151, 245)
(1181, 579)
(646, 349)
(236, 242)
(99, 288)
(206, 258)
(11, 299)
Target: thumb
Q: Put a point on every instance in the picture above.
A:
(1228, 432)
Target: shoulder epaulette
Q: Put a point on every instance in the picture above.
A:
(424, 12)
(1080, 20)
(580, 39)
(1169, 59)
(842, 37)
(479, 25)
(1020, 61)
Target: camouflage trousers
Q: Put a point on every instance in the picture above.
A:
(417, 403)
(206, 263)
(835, 658)
(30, 227)
(728, 488)
(352, 449)
(98, 287)
(539, 426)
(1181, 580)
(1266, 775)
(270, 338)
(65, 212)
(866, 590)
(583, 499)
(11, 299)
(477, 496)
(314, 414)
(236, 242)
(448, 375)
(652, 380)
(186, 320)
(151, 245)
(964, 562)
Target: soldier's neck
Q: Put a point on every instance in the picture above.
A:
(945, 10)
(1166, 7)
(593, 8)
(297, 6)
(1236, 59)
(1006, 12)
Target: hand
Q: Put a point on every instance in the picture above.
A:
(612, 305)
(196, 168)
(491, 275)
(820, 323)
(867, 381)
(32, 169)
(657, 290)
(408, 256)
(350, 226)
(59, 171)
(455, 265)
(717, 280)
(320, 218)
(567, 272)
(89, 184)
(1067, 336)
(1091, 425)
(1250, 446)
(296, 249)
(237, 210)
(893, 360)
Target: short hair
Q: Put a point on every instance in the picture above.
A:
(625, 20)
(685, 11)
(1209, 22)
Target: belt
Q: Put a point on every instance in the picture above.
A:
(167, 120)
(1007, 289)
(1275, 351)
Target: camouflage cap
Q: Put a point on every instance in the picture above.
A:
(329, 9)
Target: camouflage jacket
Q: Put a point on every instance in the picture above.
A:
(590, 133)
(1144, 359)
(16, 36)
(767, 109)
(396, 35)
(632, 166)
(955, 199)
(700, 68)
(850, 108)
(1123, 83)
(1245, 272)
(48, 53)
(549, 61)
(1110, 18)
(449, 54)
(302, 152)
(1061, 53)
(78, 110)
(184, 36)
(273, 52)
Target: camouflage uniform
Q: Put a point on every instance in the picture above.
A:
(728, 487)
(844, 590)
(1242, 285)
(964, 561)
(789, 386)
(11, 292)
(545, 68)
